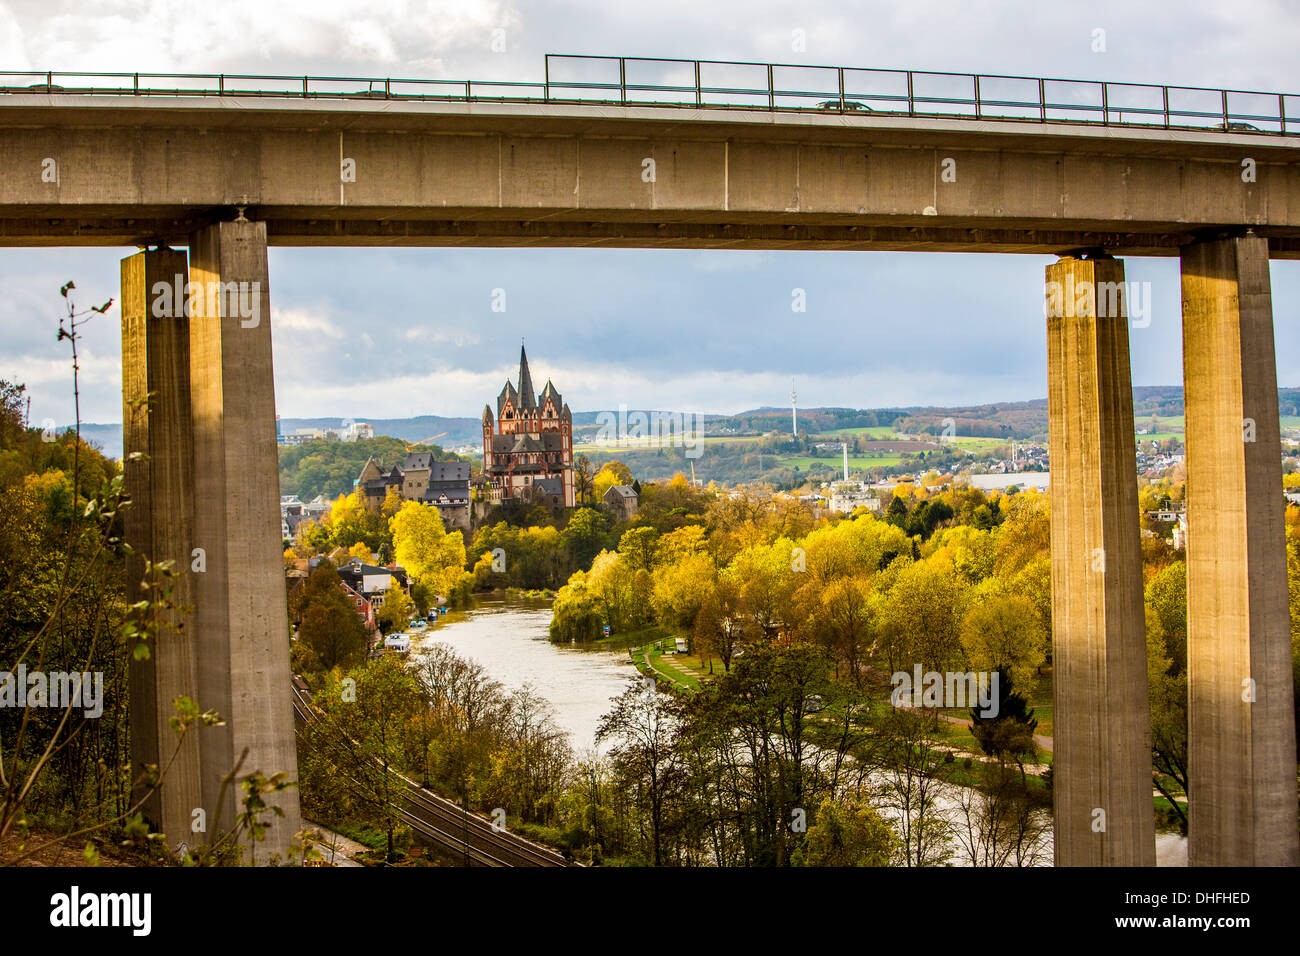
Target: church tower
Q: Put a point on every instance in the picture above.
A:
(528, 449)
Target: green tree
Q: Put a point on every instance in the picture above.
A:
(585, 534)
(329, 626)
(1009, 731)
(640, 547)
(643, 728)
(363, 734)
(1003, 632)
(395, 613)
(847, 833)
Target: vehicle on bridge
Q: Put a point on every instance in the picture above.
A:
(848, 106)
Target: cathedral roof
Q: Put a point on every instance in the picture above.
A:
(507, 393)
(526, 397)
(526, 442)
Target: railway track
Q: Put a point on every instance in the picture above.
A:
(440, 821)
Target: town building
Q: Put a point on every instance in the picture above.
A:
(528, 445)
(347, 432)
(370, 581)
(443, 484)
(623, 501)
(294, 512)
(848, 496)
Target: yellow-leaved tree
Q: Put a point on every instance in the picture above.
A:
(431, 556)
(611, 474)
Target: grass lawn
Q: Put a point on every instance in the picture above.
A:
(803, 462)
(978, 443)
(684, 670)
(638, 638)
(875, 431)
(1041, 700)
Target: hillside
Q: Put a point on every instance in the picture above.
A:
(1019, 420)
(330, 467)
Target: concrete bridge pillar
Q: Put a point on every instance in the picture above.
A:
(1241, 734)
(1102, 775)
(160, 524)
(241, 615)
(207, 499)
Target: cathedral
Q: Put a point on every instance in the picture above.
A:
(528, 449)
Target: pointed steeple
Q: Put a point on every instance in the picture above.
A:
(526, 397)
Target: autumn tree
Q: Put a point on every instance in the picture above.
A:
(920, 621)
(434, 557)
(721, 626)
(329, 626)
(680, 589)
(395, 613)
(848, 832)
(1003, 632)
(642, 729)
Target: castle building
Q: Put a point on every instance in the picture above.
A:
(444, 484)
(528, 447)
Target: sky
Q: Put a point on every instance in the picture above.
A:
(380, 333)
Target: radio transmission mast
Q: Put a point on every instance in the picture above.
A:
(794, 418)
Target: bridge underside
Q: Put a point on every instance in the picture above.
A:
(614, 229)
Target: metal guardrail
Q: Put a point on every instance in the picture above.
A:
(734, 84)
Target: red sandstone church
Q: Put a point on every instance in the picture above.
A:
(529, 454)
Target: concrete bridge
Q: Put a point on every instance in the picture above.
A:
(229, 165)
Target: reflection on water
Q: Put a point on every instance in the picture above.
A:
(1171, 849)
(508, 636)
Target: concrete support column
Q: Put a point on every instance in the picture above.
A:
(1241, 734)
(159, 525)
(1102, 775)
(241, 613)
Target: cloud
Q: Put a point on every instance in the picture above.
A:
(249, 35)
(304, 321)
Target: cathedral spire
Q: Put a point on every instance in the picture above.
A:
(526, 397)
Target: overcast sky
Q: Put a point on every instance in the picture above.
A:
(391, 333)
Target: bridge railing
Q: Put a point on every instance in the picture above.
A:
(725, 84)
(752, 85)
(248, 84)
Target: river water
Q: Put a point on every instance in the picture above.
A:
(508, 636)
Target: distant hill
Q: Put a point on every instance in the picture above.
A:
(331, 467)
(459, 431)
(1022, 420)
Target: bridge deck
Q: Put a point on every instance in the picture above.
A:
(114, 167)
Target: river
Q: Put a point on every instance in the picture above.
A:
(508, 636)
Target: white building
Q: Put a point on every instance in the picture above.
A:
(847, 496)
(1021, 479)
